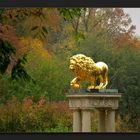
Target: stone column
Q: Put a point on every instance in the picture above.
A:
(101, 124)
(77, 120)
(86, 120)
(110, 120)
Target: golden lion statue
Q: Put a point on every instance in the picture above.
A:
(87, 70)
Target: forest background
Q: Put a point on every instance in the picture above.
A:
(35, 47)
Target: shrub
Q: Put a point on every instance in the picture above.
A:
(28, 116)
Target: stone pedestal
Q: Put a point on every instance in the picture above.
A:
(105, 103)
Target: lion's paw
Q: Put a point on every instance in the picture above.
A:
(75, 85)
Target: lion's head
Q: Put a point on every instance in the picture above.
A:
(82, 63)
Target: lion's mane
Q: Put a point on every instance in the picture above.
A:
(83, 63)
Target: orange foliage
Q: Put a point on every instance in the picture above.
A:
(8, 33)
(123, 40)
(34, 19)
(135, 43)
(127, 40)
(53, 18)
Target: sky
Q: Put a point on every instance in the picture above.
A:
(135, 16)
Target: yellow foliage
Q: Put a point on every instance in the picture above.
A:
(36, 47)
(69, 42)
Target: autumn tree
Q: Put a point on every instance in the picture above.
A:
(42, 23)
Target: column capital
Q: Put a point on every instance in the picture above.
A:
(85, 109)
